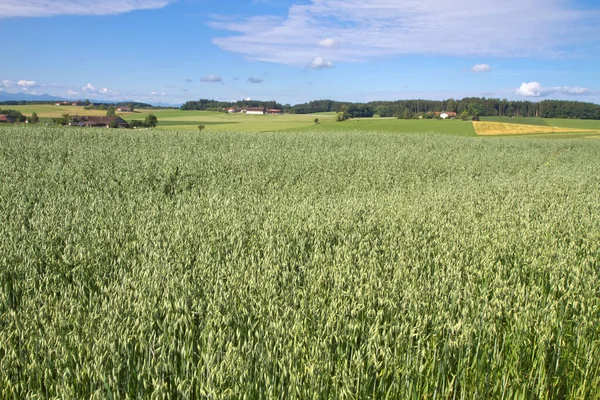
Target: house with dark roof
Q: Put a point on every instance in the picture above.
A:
(7, 119)
(98, 122)
(255, 110)
(124, 109)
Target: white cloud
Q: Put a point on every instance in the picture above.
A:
(20, 85)
(535, 89)
(575, 90)
(25, 83)
(46, 8)
(383, 28)
(329, 42)
(72, 92)
(105, 92)
(319, 63)
(254, 80)
(153, 93)
(211, 78)
(481, 68)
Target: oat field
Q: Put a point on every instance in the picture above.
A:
(501, 128)
(297, 265)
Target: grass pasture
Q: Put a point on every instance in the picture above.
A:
(393, 125)
(574, 123)
(297, 264)
(518, 120)
(48, 111)
(177, 120)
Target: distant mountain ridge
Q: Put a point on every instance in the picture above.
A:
(5, 96)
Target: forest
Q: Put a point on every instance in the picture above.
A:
(475, 106)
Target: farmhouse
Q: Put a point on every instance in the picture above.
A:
(7, 119)
(99, 122)
(232, 110)
(273, 111)
(447, 114)
(124, 109)
(443, 114)
(255, 110)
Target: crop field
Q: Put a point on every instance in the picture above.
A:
(297, 265)
(500, 128)
(177, 120)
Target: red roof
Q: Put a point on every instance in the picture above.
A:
(3, 118)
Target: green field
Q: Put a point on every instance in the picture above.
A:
(177, 120)
(48, 111)
(297, 264)
(573, 123)
(519, 120)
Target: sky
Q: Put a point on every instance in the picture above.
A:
(293, 51)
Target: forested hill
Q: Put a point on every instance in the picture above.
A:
(479, 106)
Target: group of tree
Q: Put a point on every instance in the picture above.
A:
(408, 109)
(150, 122)
(470, 106)
(14, 114)
(214, 105)
(18, 116)
(108, 106)
(64, 120)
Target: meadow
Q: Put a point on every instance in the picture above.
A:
(297, 264)
(177, 120)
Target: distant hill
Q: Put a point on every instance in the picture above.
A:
(4, 96)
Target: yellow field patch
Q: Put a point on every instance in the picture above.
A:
(484, 128)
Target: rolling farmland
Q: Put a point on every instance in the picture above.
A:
(297, 265)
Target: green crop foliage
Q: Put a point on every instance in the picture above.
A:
(152, 264)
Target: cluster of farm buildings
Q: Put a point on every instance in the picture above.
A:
(443, 114)
(98, 122)
(253, 111)
(7, 119)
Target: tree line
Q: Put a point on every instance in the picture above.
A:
(214, 105)
(472, 106)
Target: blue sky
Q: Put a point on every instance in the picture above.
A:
(170, 51)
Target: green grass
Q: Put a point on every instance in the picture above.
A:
(573, 123)
(151, 264)
(517, 120)
(222, 122)
(177, 120)
(48, 111)
(393, 125)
